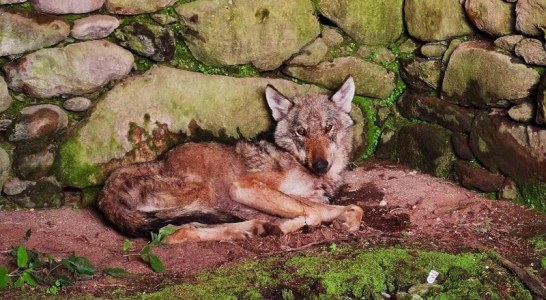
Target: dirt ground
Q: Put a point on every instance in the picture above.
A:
(402, 207)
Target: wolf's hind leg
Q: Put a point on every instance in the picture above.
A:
(219, 232)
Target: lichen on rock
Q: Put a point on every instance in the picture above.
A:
(371, 80)
(369, 22)
(21, 32)
(73, 70)
(480, 75)
(263, 33)
(436, 20)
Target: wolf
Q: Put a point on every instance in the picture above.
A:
(222, 192)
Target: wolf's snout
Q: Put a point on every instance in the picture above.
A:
(320, 166)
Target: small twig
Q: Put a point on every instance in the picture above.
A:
(131, 254)
(529, 279)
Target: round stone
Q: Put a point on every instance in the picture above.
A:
(94, 27)
(77, 104)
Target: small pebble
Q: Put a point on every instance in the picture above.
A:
(77, 104)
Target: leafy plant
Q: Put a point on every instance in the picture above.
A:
(146, 254)
(36, 269)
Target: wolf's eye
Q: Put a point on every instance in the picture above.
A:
(328, 128)
(301, 131)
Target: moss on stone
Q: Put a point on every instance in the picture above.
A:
(72, 169)
(373, 132)
(90, 195)
(532, 194)
(25, 6)
(346, 48)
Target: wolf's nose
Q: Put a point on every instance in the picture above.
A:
(320, 166)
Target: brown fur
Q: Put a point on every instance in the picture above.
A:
(247, 189)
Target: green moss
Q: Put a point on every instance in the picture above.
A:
(351, 274)
(373, 132)
(539, 69)
(26, 6)
(539, 245)
(346, 48)
(532, 194)
(90, 195)
(70, 167)
(142, 64)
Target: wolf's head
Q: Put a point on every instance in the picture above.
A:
(316, 129)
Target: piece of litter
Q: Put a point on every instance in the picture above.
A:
(383, 203)
(432, 276)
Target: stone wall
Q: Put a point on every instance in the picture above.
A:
(448, 88)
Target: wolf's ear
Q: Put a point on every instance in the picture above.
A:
(278, 103)
(343, 97)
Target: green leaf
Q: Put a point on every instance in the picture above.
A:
(79, 264)
(164, 232)
(22, 257)
(4, 277)
(29, 279)
(27, 234)
(156, 264)
(145, 253)
(53, 290)
(127, 245)
(19, 282)
(117, 272)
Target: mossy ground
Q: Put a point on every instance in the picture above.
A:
(532, 194)
(348, 273)
(539, 244)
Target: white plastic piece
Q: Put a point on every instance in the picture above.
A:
(432, 275)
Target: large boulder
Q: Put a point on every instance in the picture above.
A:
(371, 80)
(23, 32)
(435, 110)
(492, 16)
(531, 17)
(369, 22)
(73, 70)
(66, 6)
(264, 33)
(142, 117)
(436, 20)
(136, 7)
(515, 149)
(480, 74)
(426, 148)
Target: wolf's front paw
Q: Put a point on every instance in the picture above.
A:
(350, 220)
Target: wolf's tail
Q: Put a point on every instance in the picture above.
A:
(139, 199)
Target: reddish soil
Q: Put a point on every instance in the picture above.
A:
(403, 207)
